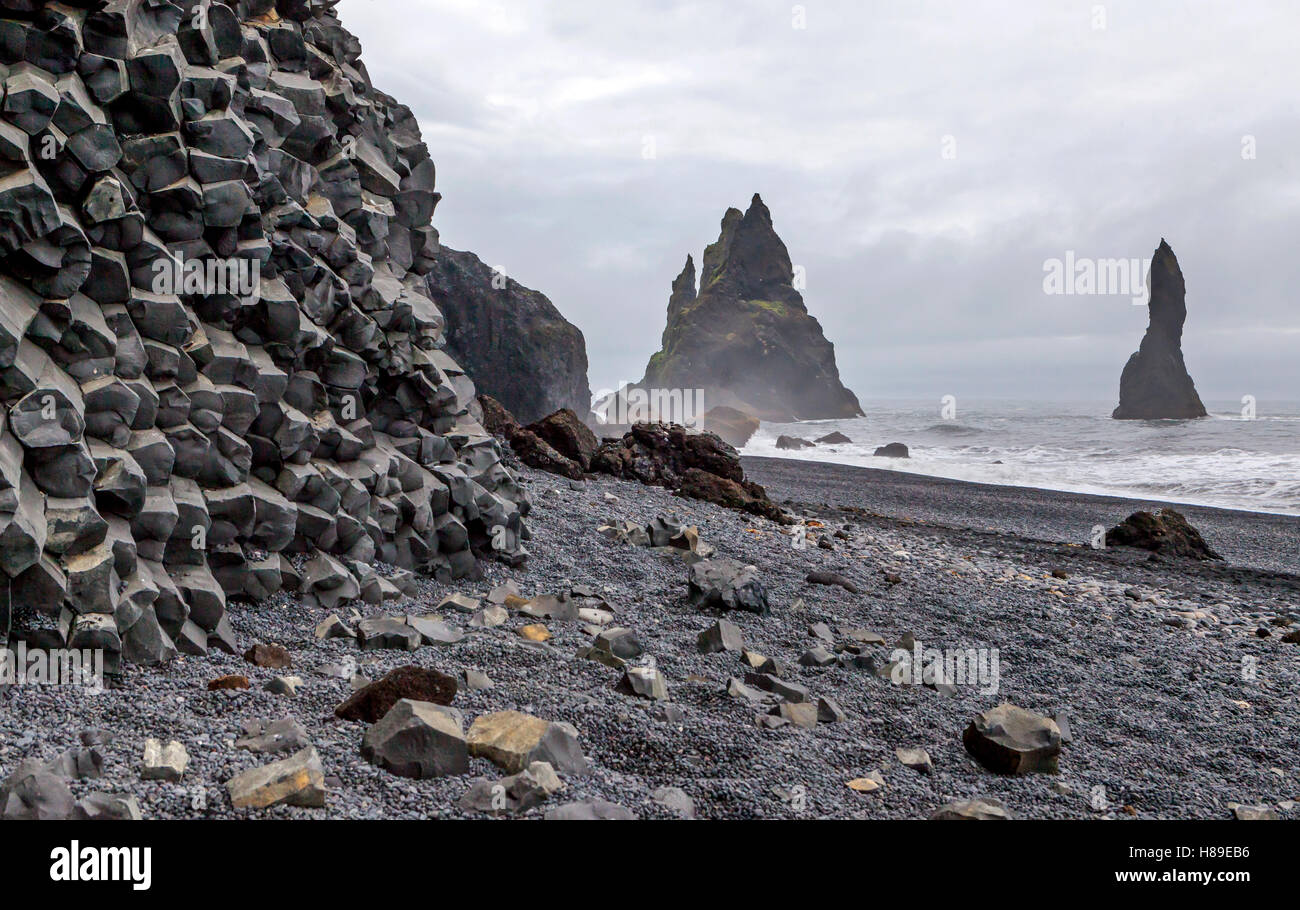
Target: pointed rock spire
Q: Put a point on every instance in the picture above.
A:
(1155, 384)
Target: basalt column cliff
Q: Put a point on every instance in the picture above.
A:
(168, 442)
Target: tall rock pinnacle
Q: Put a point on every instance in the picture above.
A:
(746, 337)
(1156, 384)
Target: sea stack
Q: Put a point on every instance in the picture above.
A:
(745, 337)
(1156, 384)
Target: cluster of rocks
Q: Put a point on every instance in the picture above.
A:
(169, 437)
(38, 790)
(692, 464)
(798, 443)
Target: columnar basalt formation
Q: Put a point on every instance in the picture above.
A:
(745, 337)
(217, 347)
(1156, 384)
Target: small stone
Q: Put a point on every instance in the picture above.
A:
(490, 617)
(164, 762)
(593, 810)
(829, 710)
(333, 627)
(645, 682)
(536, 632)
(284, 685)
(261, 736)
(721, 636)
(675, 800)
(477, 680)
(270, 657)
(816, 657)
(869, 784)
(228, 683)
(1253, 813)
(801, 715)
(433, 631)
(976, 809)
(916, 759)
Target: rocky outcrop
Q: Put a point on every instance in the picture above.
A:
(1155, 384)
(1165, 532)
(696, 465)
(511, 339)
(745, 337)
(217, 347)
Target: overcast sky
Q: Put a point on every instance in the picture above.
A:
(922, 161)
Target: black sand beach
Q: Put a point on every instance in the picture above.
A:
(1175, 707)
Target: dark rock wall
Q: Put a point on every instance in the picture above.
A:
(511, 339)
(166, 446)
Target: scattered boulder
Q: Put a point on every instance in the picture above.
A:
(1165, 532)
(721, 636)
(644, 682)
(893, 450)
(725, 584)
(831, 439)
(793, 443)
(272, 657)
(165, 763)
(260, 736)
(418, 739)
(832, 579)
(1011, 740)
(917, 759)
(568, 435)
(516, 793)
(675, 800)
(512, 741)
(371, 702)
(387, 634)
(298, 780)
(228, 683)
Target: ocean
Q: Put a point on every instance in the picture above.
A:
(1230, 459)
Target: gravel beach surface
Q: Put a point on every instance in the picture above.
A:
(1175, 706)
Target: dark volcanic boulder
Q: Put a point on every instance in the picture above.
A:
(793, 443)
(893, 450)
(1165, 532)
(372, 702)
(497, 420)
(511, 339)
(1155, 384)
(836, 438)
(536, 452)
(568, 435)
(745, 337)
(733, 427)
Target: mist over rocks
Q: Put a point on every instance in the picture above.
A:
(511, 339)
(166, 447)
(745, 336)
(1155, 384)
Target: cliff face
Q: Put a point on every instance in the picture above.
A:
(511, 339)
(746, 337)
(1155, 384)
(216, 343)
